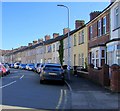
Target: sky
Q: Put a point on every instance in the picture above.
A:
(23, 22)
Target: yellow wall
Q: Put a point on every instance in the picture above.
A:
(80, 48)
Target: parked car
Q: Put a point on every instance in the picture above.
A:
(16, 65)
(30, 67)
(39, 68)
(22, 66)
(7, 68)
(52, 72)
(2, 70)
(11, 65)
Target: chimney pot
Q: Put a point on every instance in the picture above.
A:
(40, 40)
(47, 37)
(65, 30)
(34, 42)
(79, 23)
(94, 14)
(55, 35)
(29, 44)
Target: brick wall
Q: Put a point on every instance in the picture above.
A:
(103, 38)
(115, 78)
(100, 76)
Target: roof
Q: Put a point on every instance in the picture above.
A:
(101, 12)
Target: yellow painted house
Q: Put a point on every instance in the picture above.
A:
(80, 47)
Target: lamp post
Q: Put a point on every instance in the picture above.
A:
(68, 67)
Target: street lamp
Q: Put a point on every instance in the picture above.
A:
(68, 41)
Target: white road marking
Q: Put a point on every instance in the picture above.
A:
(8, 84)
(65, 98)
(60, 99)
(68, 86)
(22, 77)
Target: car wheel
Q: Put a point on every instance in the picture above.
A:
(62, 82)
(41, 81)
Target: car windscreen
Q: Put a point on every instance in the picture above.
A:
(23, 65)
(50, 67)
(31, 64)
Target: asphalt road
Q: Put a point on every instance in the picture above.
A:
(21, 90)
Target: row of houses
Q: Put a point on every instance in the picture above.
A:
(96, 42)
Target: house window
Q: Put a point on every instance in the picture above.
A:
(75, 40)
(53, 47)
(97, 54)
(49, 48)
(82, 59)
(82, 36)
(116, 17)
(91, 32)
(74, 59)
(104, 25)
(97, 58)
(99, 28)
(103, 53)
(79, 35)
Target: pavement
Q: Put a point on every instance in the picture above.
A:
(86, 95)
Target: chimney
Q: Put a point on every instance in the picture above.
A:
(34, 42)
(40, 40)
(94, 14)
(79, 23)
(111, 1)
(66, 30)
(29, 44)
(55, 35)
(47, 37)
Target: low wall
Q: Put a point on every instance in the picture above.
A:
(100, 76)
(115, 78)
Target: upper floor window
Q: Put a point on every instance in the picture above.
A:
(104, 25)
(75, 40)
(99, 28)
(49, 49)
(57, 46)
(53, 47)
(82, 36)
(79, 37)
(91, 32)
(116, 17)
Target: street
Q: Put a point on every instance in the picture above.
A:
(22, 90)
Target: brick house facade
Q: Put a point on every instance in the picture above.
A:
(98, 35)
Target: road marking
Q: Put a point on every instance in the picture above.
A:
(8, 84)
(68, 86)
(60, 99)
(65, 98)
(22, 77)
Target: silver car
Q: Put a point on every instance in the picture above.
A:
(52, 71)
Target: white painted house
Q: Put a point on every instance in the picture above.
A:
(113, 46)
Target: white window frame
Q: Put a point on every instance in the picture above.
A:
(116, 17)
(99, 28)
(75, 40)
(82, 36)
(104, 25)
(91, 32)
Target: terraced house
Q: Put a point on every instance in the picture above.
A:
(98, 36)
(113, 46)
(95, 42)
(80, 44)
